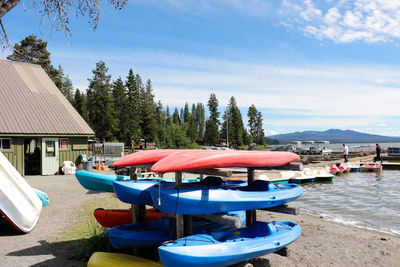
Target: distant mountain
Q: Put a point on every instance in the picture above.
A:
(334, 136)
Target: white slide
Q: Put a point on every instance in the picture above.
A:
(18, 202)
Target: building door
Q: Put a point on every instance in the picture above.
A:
(50, 156)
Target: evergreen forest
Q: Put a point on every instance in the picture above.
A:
(125, 110)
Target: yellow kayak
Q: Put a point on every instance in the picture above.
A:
(104, 259)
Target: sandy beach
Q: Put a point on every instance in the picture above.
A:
(322, 243)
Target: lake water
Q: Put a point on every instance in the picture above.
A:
(363, 199)
(359, 147)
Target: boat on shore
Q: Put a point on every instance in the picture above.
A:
(200, 199)
(19, 203)
(101, 259)
(156, 232)
(354, 166)
(43, 197)
(229, 247)
(377, 167)
(322, 174)
(100, 182)
(299, 177)
(138, 192)
(113, 217)
(335, 170)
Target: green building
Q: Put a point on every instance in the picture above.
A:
(39, 128)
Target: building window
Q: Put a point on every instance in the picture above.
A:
(63, 143)
(5, 143)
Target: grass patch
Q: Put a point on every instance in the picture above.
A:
(86, 235)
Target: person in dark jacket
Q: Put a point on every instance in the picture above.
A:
(378, 153)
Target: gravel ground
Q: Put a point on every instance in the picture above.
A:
(322, 243)
(42, 246)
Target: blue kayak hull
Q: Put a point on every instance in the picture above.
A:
(134, 192)
(139, 192)
(104, 182)
(198, 199)
(43, 197)
(96, 181)
(155, 233)
(229, 247)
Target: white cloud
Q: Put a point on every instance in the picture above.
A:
(362, 20)
(269, 132)
(332, 16)
(306, 89)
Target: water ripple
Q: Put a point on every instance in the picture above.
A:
(365, 199)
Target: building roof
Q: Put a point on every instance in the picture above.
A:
(30, 103)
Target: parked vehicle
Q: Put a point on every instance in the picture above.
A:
(322, 148)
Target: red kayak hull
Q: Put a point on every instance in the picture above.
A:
(146, 157)
(115, 217)
(208, 159)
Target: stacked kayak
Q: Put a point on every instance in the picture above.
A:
(212, 243)
(229, 247)
(199, 199)
(156, 232)
(115, 217)
(139, 192)
(104, 182)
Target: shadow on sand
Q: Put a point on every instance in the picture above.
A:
(76, 252)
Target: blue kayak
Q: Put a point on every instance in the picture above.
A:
(156, 232)
(104, 182)
(138, 192)
(229, 247)
(135, 192)
(43, 197)
(200, 199)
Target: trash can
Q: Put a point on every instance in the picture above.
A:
(88, 166)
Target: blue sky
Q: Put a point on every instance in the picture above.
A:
(305, 64)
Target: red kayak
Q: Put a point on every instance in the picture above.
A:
(208, 159)
(111, 218)
(371, 167)
(147, 157)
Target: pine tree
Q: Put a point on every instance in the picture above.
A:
(252, 115)
(79, 104)
(175, 117)
(186, 113)
(148, 111)
(236, 130)
(256, 125)
(200, 120)
(65, 84)
(100, 103)
(120, 114)
(211, 133)
(260, 131)
(168, 116)
(133, 104)
(171, 135)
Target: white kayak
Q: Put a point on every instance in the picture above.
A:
(18, 201)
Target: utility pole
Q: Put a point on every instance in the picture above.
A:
(227, 131)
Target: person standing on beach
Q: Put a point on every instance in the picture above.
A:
(378, 153)
(346, 153)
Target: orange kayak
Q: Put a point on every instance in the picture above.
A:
(113, 217)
